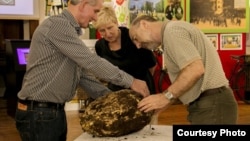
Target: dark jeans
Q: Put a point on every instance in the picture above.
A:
(218, 108)
(41, 124)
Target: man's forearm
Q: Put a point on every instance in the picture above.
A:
(187, 78)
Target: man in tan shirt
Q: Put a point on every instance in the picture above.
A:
(194, 68)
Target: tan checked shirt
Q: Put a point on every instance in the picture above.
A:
(183, 43)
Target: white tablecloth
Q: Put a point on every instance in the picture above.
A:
(155, 133)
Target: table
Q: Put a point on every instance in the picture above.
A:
(155, 133)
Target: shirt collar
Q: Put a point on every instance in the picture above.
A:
(66, 13)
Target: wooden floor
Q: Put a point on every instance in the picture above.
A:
(176, 114)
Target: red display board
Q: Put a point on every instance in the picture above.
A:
(227, 62)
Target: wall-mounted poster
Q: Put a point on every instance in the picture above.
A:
(153, 8)
(121, 10)
(175, 9)
(231, 42)
(219, 16)
(214, 39)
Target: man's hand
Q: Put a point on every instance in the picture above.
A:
(157, 102)
(140, 87)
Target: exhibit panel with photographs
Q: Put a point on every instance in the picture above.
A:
(219, 16)
(214, 39)
(154, 8)
(231, 42)
(121, 10)
(175, 9)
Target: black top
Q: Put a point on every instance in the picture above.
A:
(129, 58)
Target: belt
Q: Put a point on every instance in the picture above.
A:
(212, 91)
(36, 104)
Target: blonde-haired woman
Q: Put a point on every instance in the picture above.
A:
(117, 47)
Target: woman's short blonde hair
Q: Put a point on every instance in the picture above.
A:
(105, 16)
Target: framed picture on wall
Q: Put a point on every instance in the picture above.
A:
(230, 41)
(175, 9)
(214, 39)
(219, 16)
(154, 8)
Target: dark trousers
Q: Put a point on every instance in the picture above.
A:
(214, 107)
(41, 123)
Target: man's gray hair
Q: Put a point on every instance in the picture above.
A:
(75, 2)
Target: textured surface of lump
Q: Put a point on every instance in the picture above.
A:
(115, 114)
